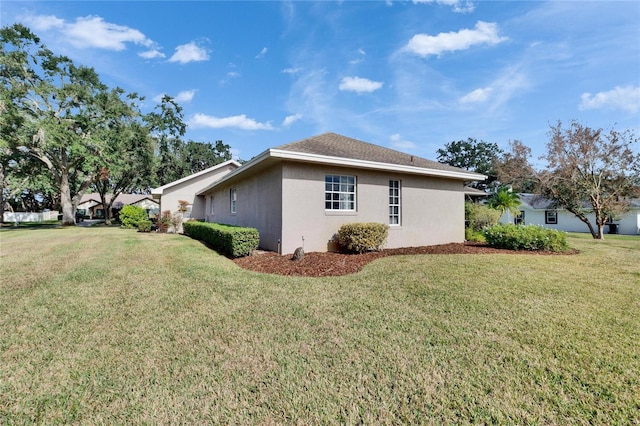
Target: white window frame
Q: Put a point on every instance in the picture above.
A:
(547, 219)
(233, 194)
(395, 202)
(211, 206)
(340, 193)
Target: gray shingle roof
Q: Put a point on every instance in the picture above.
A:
(334, 145)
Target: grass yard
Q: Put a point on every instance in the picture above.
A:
(104, 325)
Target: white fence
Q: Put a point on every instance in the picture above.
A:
(30, 216)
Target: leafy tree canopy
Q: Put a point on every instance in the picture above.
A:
(513, 168)
(476, 156)
(58, 113)
(591, 171)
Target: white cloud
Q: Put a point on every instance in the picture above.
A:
(484, 33)
(290, 119)
(360, 58)
(626, 98)
(189, 52)
(182, 97)
(229, 76)
(262, 53)
(43, 22)
(151, 54)
(359, 85)
(458, 6)
(476, 96)
(185, 96)
(292, 70)
(398, 143)
(91, 32)
(236, 121)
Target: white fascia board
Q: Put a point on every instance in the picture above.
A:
(347, 162)
(255, 160)
(363, 164)
(159, 190)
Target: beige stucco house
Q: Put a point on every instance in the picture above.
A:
(299, 194)
(171, 194)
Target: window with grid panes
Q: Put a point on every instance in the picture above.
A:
(234, 198)
(394, 202)
(339, 192)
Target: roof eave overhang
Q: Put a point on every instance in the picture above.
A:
(278, 154)
(157, 192)
(372, 165)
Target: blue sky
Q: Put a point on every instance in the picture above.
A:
(409, 75)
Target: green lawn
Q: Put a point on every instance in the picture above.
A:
(104, 325)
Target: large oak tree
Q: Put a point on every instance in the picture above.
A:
(476, 156)
(58, 113)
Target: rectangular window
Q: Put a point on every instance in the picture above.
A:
(339, 192)
(394, 202)
(211, 205)
(519, 220)
(234, 198)
(551, 217)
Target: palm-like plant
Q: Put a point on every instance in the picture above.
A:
(505, 200)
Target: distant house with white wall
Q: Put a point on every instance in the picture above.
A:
(538, 210)
(299, 194)
(187, 188)
(90, 205)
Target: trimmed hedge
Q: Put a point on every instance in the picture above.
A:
(529, 237)
(232, 241)
(361, 237)
(144, 226)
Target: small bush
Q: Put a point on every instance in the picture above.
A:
(480, 216)
(530, 237)
(144, 226)
(232, 241)
(361, 237)
(131, 215)
(164, 221)
(474, 236)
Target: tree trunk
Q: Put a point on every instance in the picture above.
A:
(68, 212)
(1, 193)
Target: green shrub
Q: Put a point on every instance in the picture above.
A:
(474, 236)
(232, 241)
(530, 237)
(361, 237)
(144, 226)
(480, 216)
(131, 215)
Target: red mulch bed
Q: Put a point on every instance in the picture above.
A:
(332, 264)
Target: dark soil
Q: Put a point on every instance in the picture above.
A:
(332, 264)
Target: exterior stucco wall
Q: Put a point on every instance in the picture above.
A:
(628, 225)
(432, 208)
(187, 191)
(258, 205)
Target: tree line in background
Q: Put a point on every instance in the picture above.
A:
(63, 132)
(587, 171)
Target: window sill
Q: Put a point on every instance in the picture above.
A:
(340, 213)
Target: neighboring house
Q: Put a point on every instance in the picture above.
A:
(91, 206)
(299, 194)
(538, 210)
(185, 189)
